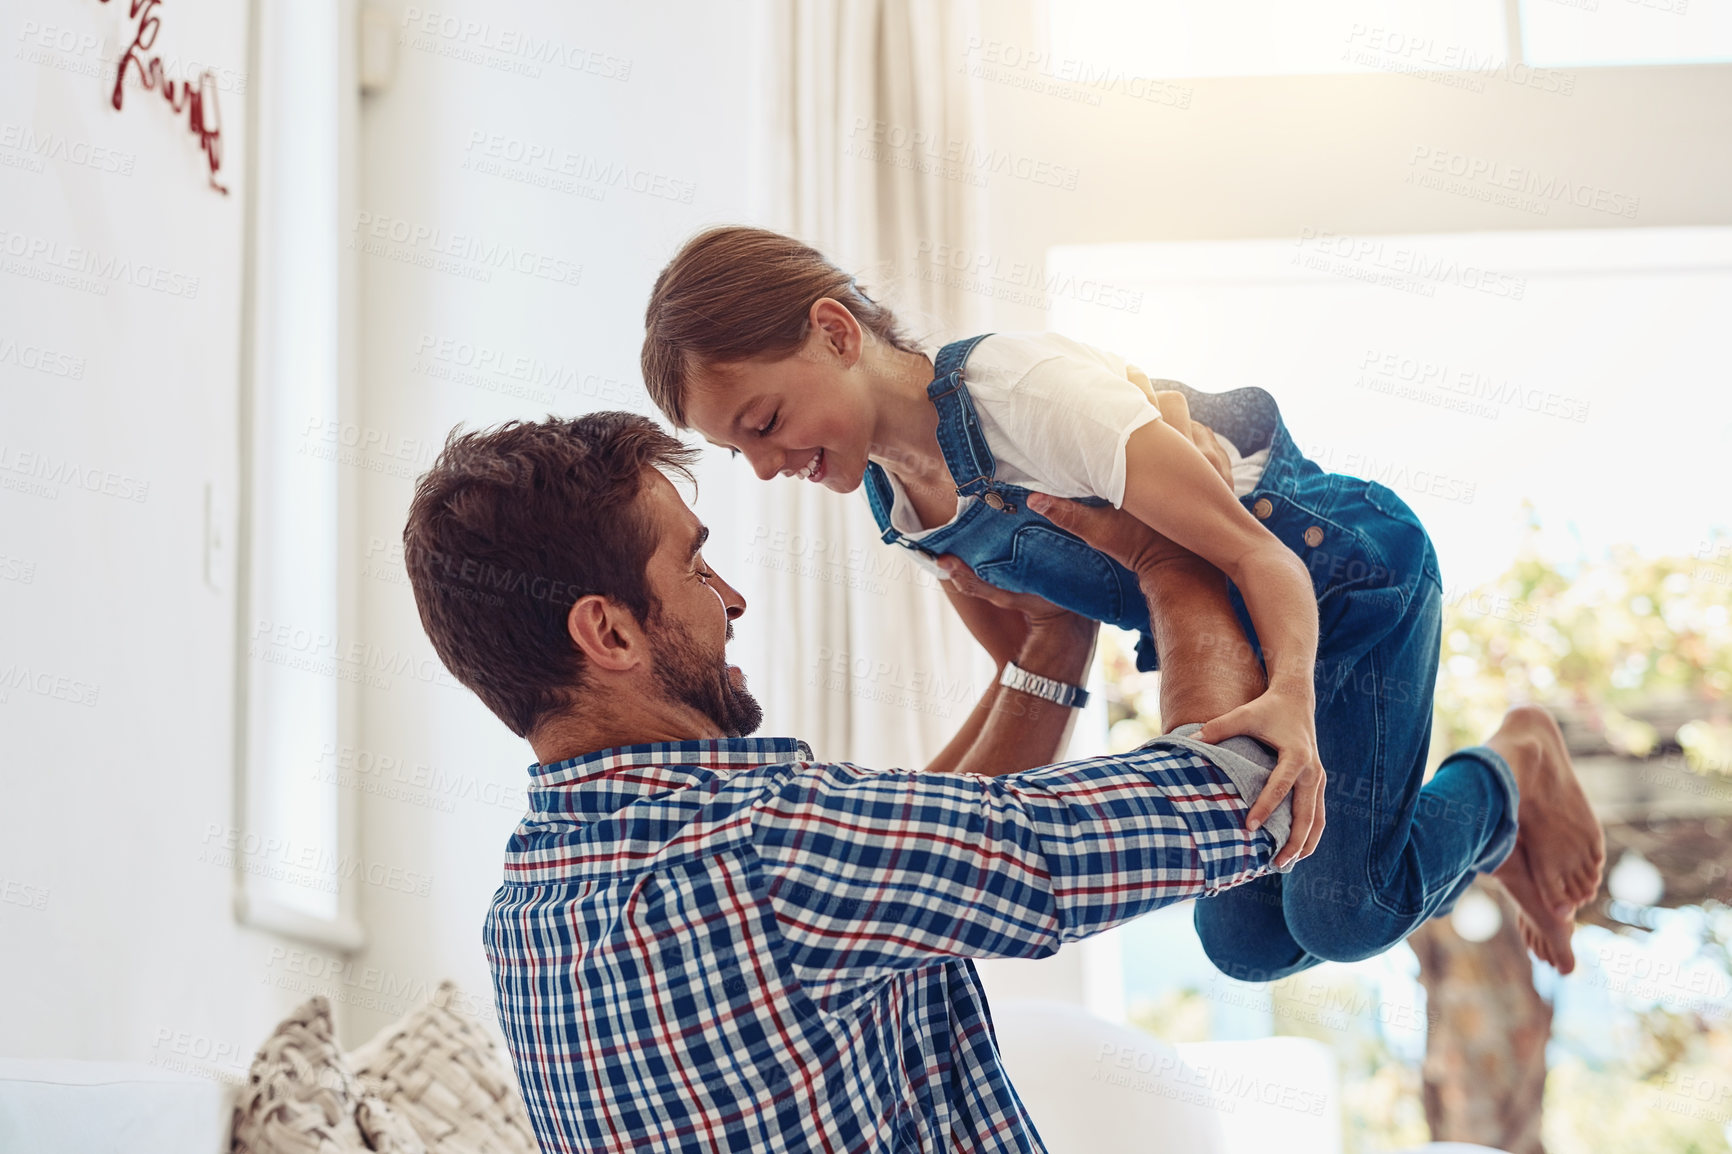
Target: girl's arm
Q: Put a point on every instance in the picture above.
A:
(1172, 489)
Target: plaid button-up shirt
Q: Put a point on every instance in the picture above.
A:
(720, 945)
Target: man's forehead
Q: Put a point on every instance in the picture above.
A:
(670, 509)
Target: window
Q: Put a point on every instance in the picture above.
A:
(294, 830)
(1573, 33)
(1181, 38)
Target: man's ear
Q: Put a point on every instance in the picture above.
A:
(607, 632)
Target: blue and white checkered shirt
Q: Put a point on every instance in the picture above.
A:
(721, 945)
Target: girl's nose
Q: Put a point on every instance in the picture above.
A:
(766, 463)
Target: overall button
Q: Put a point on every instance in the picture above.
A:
(1263, 508)
(1314, 536)
(997, 502)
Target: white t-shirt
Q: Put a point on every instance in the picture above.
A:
(1057, 414)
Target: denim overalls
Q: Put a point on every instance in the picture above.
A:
(1394, 851)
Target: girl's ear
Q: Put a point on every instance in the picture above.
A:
(842, 334)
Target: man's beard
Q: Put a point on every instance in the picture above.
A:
(686, 675)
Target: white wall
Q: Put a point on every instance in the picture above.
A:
(655, 128)
(117, 933)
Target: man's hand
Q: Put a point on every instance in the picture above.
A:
(1042, 615)
(1112, 531)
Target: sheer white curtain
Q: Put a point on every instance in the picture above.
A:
(872, 126)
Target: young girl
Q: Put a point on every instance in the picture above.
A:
(765, 347)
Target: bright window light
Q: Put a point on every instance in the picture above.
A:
(1571, 33)
(1469, 372)
(1160, 38)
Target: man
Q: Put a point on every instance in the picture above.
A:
(707, 941)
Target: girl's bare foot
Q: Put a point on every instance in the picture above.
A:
(1565, 846)
(1560, 850)
(1544, 930)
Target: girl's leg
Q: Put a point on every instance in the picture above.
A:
(1244, 932)
(1396, 850)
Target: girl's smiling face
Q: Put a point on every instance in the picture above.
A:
(808, 414)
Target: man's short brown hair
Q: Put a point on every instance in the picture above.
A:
(510, 527)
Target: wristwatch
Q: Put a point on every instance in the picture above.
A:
(1045, 688)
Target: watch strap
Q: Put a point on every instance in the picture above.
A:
(1045, 688)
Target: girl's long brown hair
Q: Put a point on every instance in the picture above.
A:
(735, 294)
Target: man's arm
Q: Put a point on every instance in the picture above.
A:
(877, 871)
(1008, 730)
(1207, 666)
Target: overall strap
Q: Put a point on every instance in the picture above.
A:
(952, 356)
(966, 452)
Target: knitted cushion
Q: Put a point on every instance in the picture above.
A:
(442, 1072)
(301, 1097)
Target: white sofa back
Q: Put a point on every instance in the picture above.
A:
(1095, 1087)
(56, 1106)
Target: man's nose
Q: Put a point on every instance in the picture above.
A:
(732, 603)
